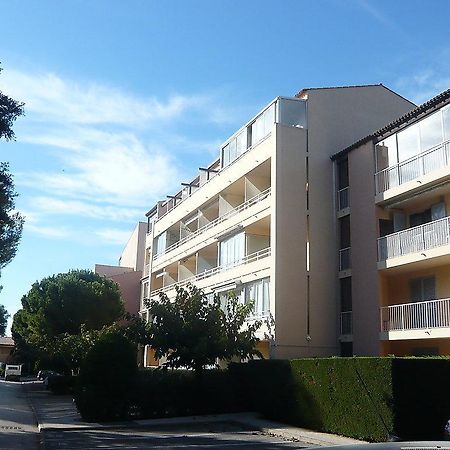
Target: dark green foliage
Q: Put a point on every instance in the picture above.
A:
(159, 393)
(193, 332)
(372, 399)
(348, 396)
(11, 222)
(64, 384)
(10, 110)
(3, 320)
(61, 313)
(422, 397)
(108, 375)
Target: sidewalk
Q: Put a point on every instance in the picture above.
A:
(58, 412)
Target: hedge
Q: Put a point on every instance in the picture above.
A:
(162, 393)
(373, 399)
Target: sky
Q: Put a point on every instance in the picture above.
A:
(124, 100)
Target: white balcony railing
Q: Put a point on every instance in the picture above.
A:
(345, 258)
(425, 162)
(215, 270)
(343, 200)
(346, 323)
(243, 206)
(417, 239)
(416, 316)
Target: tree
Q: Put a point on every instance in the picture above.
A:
(3, 320)
(11, 223)
(194, 332)
(60, 311)
(10, 110)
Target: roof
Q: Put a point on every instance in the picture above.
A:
(6, 340)
(305, 90)
(407, 119)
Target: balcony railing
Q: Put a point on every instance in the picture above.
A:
(416, 239)
(416, 316)
(425, 162)
(242, 207)
(345, 258)
(343, 200)
(215, 270)
(346, 323)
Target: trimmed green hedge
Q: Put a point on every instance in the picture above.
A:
(373, 399)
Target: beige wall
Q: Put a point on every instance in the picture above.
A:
(364, 233)
(109, 271)
(288, 287)
(134, 252)
(130, 289)
(336, 119)
(410, 347)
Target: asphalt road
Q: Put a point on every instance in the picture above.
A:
(18, 429)
(220, 436)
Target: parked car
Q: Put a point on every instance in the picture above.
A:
(13, 372)
(43, 374)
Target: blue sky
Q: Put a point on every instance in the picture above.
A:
(126, 99)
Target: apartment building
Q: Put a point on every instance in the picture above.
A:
(260, 220)
(393, 226)
(128, 273)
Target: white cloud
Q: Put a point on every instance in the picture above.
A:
(113, 236)
(424, 85)
(58, 207)
(50, 98)
(110, 154)
(47, 231)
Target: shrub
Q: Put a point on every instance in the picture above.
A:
(107, 376)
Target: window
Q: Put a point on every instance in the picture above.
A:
(235, 148)
(262, 125)
(423, 289)
(346, 294)
(431, 131)
(232, 250)
(161, 243)
(342, 173)
(386, 153)
(258, 293)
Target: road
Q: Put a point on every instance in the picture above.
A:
(218, 435)
(18, 429)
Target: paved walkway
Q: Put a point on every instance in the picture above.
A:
(57, 413)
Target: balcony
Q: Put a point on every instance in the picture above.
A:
(343, 200)
(234, 212)
(413, 174)
(253, 257)
(346, 323)
(409, 245)
(345, 259)
(418, 320)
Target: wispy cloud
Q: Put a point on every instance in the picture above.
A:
(111, 153)
(381, 18)
(113, 236)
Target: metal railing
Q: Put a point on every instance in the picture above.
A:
(416, 316)
(346, 323)
(345, 258)
(425, 162)
(243, 206)
(412, 240)
(343, 200)
(181, 200)
(215, 270)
